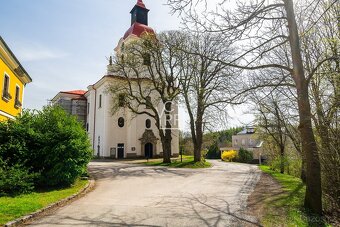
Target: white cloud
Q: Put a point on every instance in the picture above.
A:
(36, 52)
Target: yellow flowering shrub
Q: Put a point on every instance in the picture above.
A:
(229, 156)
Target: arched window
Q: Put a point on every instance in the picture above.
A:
(148, 123)
(100, 101)
(122, 100)
(121, 122)
(147, 59)
(148, 102)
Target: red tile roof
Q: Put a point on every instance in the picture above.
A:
(75, 92)
(138, 29)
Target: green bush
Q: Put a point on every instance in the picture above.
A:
(213, 152)
(65, 148)
(244, 156)
(15, 180)
(292, 166)
(49, 142)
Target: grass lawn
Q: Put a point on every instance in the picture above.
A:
(188, 162)
(287, 209)
(12, 208)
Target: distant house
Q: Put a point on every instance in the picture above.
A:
(247, 139)
(73, 102)
(13, 79)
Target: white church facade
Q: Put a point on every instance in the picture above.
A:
(122, 134)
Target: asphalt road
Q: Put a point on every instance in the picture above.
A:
(135, 195)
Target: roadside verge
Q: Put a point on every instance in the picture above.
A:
(30, 217)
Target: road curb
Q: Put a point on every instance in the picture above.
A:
(20, 221)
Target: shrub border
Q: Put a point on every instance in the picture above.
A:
(20, 221)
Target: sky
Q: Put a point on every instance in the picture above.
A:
(64, 44)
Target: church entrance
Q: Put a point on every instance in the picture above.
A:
(120, 151)
(148, 144)
(148, 150)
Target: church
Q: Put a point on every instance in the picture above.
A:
(121, 134)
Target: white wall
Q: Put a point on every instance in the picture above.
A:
(106, 125)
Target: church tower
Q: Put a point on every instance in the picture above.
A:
(139, 21)
(139, 26)
(139, 13)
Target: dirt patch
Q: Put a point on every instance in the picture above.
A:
(266, 190)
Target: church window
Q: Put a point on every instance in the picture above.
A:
(100, 101)
(146, 59)
(122, 100)
(148, 102)
(121, 122)
(148, 123)
(88, 108)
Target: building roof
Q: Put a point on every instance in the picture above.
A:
(138, 29)
(74, 92)
(75, 95)
(247, 130)
(20, 67)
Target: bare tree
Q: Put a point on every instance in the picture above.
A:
(206, 85)
(270, 120)
(321, 44)
(259, 28)
(149, 82)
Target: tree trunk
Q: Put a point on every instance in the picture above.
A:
(166, 145)
(199, 139)
(282, 159)
(313, 197)
(167, 138)
(303, 168)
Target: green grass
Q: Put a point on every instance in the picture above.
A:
(287, 209)
(12, 208)
(188, 162)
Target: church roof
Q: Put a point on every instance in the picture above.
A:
(74, 92)
(138, 29)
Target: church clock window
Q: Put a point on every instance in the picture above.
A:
(121, 122)
(148, 123)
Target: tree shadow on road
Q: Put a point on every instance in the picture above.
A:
(99, 172)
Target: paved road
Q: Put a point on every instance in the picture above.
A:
(135, 195)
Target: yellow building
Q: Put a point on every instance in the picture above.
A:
(13, 79)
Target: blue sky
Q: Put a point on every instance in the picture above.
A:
(63, 44)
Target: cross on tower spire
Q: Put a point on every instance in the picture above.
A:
(140, 3)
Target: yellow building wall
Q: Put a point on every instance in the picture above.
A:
(8, 107)
(2, 118)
